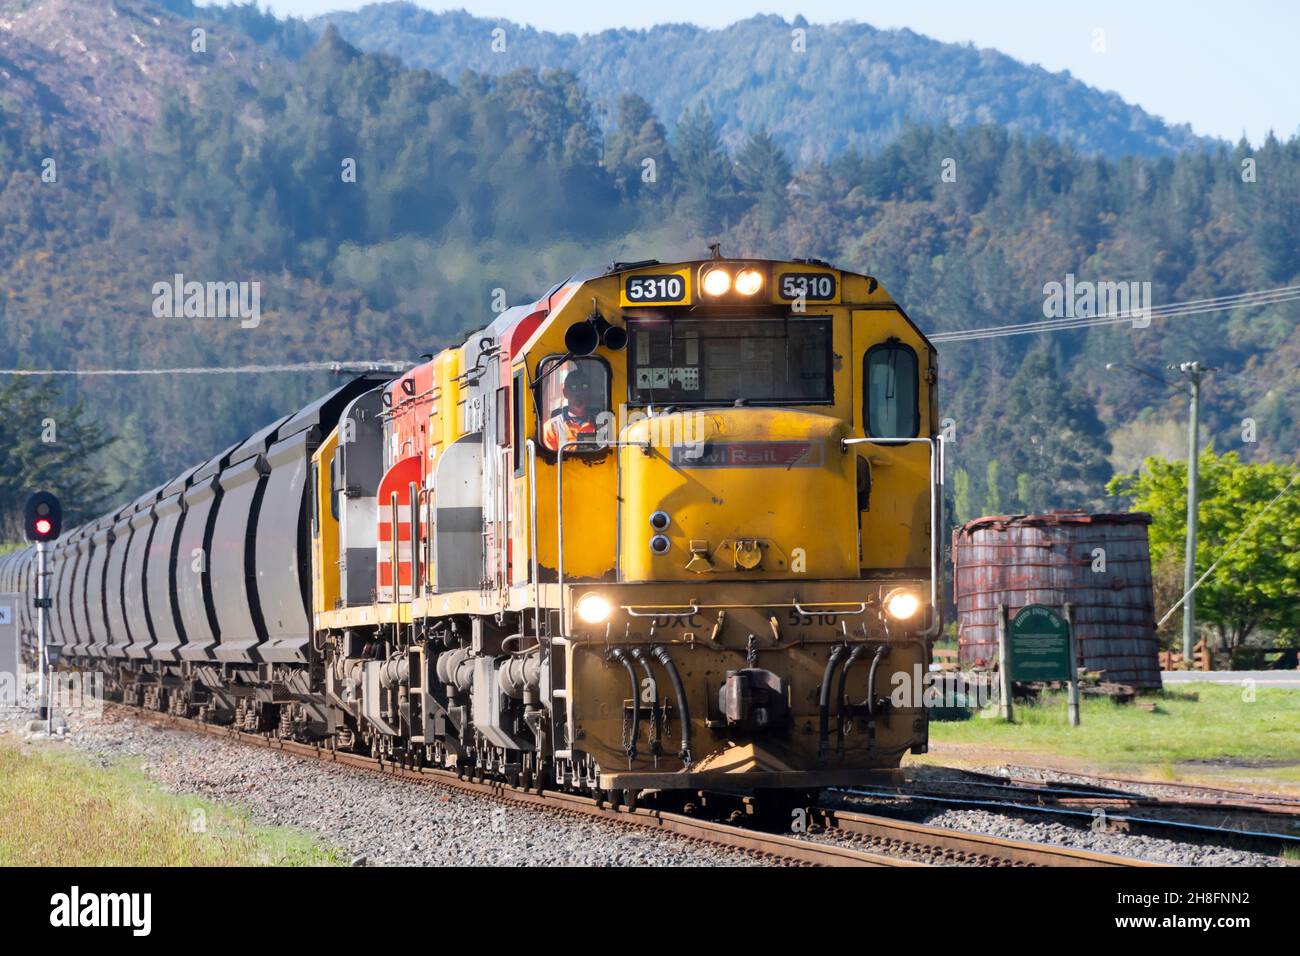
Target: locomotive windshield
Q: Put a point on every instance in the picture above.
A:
(718, 361)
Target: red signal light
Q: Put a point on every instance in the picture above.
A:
(42, 517)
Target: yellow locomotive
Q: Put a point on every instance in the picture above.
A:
(671, 526)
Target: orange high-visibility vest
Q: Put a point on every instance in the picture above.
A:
(560, 430)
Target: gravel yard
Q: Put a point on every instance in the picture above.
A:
(385, 821)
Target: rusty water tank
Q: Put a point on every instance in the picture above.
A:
(1050, 559)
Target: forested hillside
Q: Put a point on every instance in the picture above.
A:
(818, 88)
(380, 206)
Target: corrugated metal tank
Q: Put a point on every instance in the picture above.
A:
(1049, 559)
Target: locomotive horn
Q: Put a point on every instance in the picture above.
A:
(613, 337)
(581, 338)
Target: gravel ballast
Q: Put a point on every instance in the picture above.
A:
(372, 818)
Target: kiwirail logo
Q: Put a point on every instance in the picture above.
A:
(102, 910)
(1085, 299)
(179, 299)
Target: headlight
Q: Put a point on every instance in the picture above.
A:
(593, 609)
(749, 281)
(716, 282)
(901, 605)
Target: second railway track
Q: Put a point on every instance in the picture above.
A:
(1263, 823)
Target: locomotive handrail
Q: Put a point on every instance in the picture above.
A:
(659, 609)
(415, 533)
(532, 543)
(393, 549)
(559, 512)
(861, 607)
(936, 512)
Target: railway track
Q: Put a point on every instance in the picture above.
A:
(836, 837)
(1184, 794)
(961, 847)
(1260, 820)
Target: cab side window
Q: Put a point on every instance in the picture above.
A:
(573, 399)
(891, 407)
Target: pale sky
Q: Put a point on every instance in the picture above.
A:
(1225, 68)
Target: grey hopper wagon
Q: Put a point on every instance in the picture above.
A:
(212, 566)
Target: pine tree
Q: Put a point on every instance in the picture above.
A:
(636, 152)
(705, 185)
(1051, 439)
(48, 444)
(764, 173)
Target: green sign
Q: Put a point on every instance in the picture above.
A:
(1040, 645)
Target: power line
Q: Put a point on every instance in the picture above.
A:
(1171, 310)
(1119, 318)
(1190, 307)
(384, 365)
(1270, 386)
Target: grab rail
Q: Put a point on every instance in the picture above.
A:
(660, 610)
(559, 510)
(860, 608)
(936, 513)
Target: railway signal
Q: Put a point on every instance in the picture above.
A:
(43, 520)
(44, 517)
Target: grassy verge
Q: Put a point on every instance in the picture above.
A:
(57, 809)
(1195, 731)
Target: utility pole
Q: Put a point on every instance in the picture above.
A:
(1192, 373)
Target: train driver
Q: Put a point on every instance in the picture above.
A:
(575, 420)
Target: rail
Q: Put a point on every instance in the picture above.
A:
(830, 609)
(532, 534)
(660, 610)
(559, 510)
(936, 516)
(964, 846)
(1131, 810)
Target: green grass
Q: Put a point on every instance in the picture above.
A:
(57, 809)
(1196, 729)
